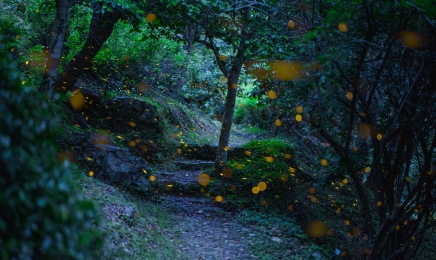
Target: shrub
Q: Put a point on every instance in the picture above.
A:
(43, 215)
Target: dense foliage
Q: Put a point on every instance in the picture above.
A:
(350, 84)
(43, 214)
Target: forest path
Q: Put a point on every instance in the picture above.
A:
(208, 232)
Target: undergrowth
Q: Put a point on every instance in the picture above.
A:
(148, 233)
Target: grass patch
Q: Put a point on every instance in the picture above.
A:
(147, 233)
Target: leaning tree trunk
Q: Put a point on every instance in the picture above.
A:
(223, 143)
(232, 86)
(55, 48)
(102, 26)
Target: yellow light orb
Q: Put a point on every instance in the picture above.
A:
(255, 190)
(291, 24)
(152, 178)
(269, 159)
(299, 118)
(379, 136)
(349, 95)
(278, 122)
(286, 70)
(150, 17)
(219, 198)
(324, 162)
(272, 94)
(342, 27)
(203, 179)
(287, 156)
(316, 229)
(77, 100)
(410, 39)
(91, 173)
(262, 186)
(299, 109)
(223, 57)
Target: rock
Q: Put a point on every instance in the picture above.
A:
(276, 239)
(130, 212)
(92, 94)
(294, 242)
(118, 165)
(128, 109)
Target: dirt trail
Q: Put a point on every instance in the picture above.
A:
(208, 232)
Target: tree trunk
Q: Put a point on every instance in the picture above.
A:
(232, 86)
(55, 48)
(102, 26)
(221, 158)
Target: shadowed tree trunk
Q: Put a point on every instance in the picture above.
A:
(223, 143)
(232, 85)
(102, 26)
(55, 48)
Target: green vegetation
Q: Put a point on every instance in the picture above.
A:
(315, 112)
(43, 213)
(134, 229)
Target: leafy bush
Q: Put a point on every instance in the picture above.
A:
(43, 214)
(250, 112)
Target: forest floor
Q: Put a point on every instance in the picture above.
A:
(173, 225)
(177, 226)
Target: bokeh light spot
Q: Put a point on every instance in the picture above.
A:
(203, 179)
(262, 186)
(223, 57)
(272, 94)
(286, 70)
(255, 190)
(379, 136)
(342, 27)
(312, 190)
(324, 162)
(412, 40)
(227, 172)
(269, 159)
(316, 229)
(150, 17)
(77, 100)
(298, 118)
